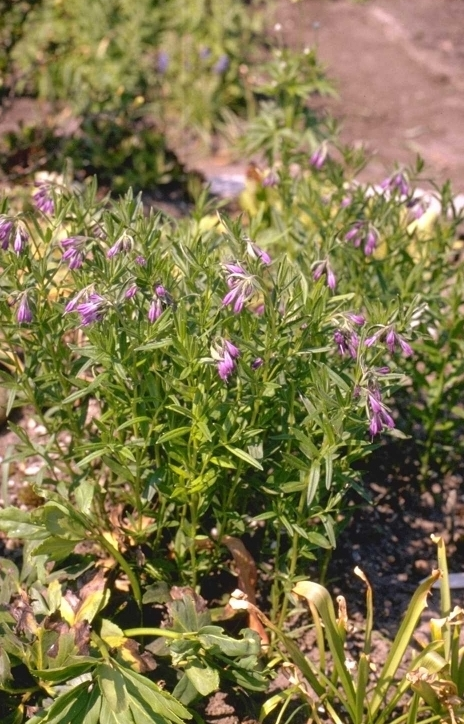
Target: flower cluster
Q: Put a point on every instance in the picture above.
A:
(363, 233)
(392, 340)
(12, 230)
(43, 199)
(396, 183)
(378, 414)
(319, 157)
(160, 300)
(323, 267)
(242, 286)
(74, 251)
(91, 307)
(122, 245)
(346, 338)
(225, 354)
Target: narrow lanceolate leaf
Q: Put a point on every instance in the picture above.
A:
(402, 638)
(318, 596)
(244, 456)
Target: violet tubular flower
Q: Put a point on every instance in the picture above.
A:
(378, 415)
(256, 252)
(347, 342)
(92, 309)
(43, 199)
(225, 353)
(324, 267)
(242, 286)
(20, 240)
(24, 312)
(74, 251)
(6, 227)
(122, 245)
(318, 157)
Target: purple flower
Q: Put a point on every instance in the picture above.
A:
(155, 310)
(163, 62)
(417, 207)
(231, 349)
(91, 310)
(346, 201)
(225, 353)
(257, 363)
(397, 182)
(371, 240)
(256, 252)
(6, 227)
(221, 65)
(378, 415)
(131, 291)
(43, 199)
(356, 319)
(242, 286)
(356, 233)
(140, 260)
(324, 267)
(271, 179)
(123, 244)
(20, 240)
(347, 342)
(24, 313)
(319, 157)
(74, 253)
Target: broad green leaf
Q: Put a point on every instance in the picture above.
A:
(56, 548)
(112, 685)
(20, 524)
(73, 707)
(111, 634)
(158, 701)
(185, 691)
(5, 668)
(65, 673)
(214, 636)
(204, 678)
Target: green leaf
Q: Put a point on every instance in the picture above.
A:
(20, 524)
(77, 706)
(173, 434)
(65, 673)
(158, 701)
(204, 678)
(244, 456)
(112, 685)
(214, 637)
(56, 548)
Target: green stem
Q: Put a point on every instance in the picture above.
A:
(150, 631)
(293, 560)
(119, 558)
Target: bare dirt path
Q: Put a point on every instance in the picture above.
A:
(399, 69)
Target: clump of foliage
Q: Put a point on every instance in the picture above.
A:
(352, 690)
(133, 80)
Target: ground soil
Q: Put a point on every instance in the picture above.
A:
(399, 68)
